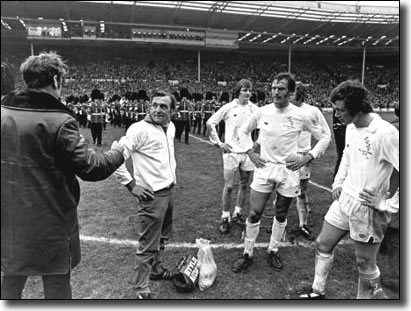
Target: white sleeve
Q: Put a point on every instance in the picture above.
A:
(129, 141)
(321, 133)
(212, 122)
(390, 149)
(244, 132)
(343, 168)
(342, 172)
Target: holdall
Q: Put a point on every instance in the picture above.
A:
(187, 277)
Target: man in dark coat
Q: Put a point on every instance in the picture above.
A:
(42, 151)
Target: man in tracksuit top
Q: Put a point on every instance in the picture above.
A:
(150, 144)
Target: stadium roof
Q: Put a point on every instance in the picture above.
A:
(257, 22)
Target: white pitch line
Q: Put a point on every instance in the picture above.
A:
(202, 140)
(193, 245)
(320, 186)
(218, 245)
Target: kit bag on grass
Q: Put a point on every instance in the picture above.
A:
(187, 277)
(206, 264)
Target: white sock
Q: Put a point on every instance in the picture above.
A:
(237, 210)
(323, 264)
(365, 281)
(277, 234)
(251, 234)
(226, 215)
(302, 211)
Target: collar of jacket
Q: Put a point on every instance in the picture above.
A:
(29, 100)
(150, 120)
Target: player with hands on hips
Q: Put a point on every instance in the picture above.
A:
(280, 125)
(235, 159)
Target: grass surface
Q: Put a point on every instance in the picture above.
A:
(107, 210)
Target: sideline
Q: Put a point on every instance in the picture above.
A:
(125, 242)
(201, 139)
(194, 245)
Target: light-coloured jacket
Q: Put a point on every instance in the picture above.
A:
(151, 147)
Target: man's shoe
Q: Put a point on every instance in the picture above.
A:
(377, 292)
(306, 233)
(162, 274)
(242, 264)
(310, 295)
(274, 260)
(144, 296)
(238, 219)
(225, 226)
(187, 143)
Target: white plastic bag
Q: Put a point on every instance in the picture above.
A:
(206, 264)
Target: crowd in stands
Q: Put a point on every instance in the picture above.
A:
(117, 71)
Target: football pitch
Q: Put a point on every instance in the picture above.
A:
(107, 217)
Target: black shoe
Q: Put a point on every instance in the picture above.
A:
(187, 143)
(242, 264)
(238, 219)
(144, 296)
(306, 233)
(377, 292)
(162, 273)
(225, 226)
(310, 295)
(274, 260)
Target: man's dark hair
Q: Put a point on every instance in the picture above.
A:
(7, 78)
(287, 76)
(355, 96)
(240, 84)
(161, 93)
(39, 70)
(300, 91)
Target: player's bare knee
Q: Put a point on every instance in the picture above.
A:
(322, 246)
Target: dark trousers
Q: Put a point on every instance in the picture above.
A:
(96, 132)
(197, 125)
(207, 116)
(55, 286)
(154, 225)
(182, 125)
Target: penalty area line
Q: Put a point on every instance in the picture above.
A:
(125, 242)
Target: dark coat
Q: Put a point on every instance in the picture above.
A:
(42, 151)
